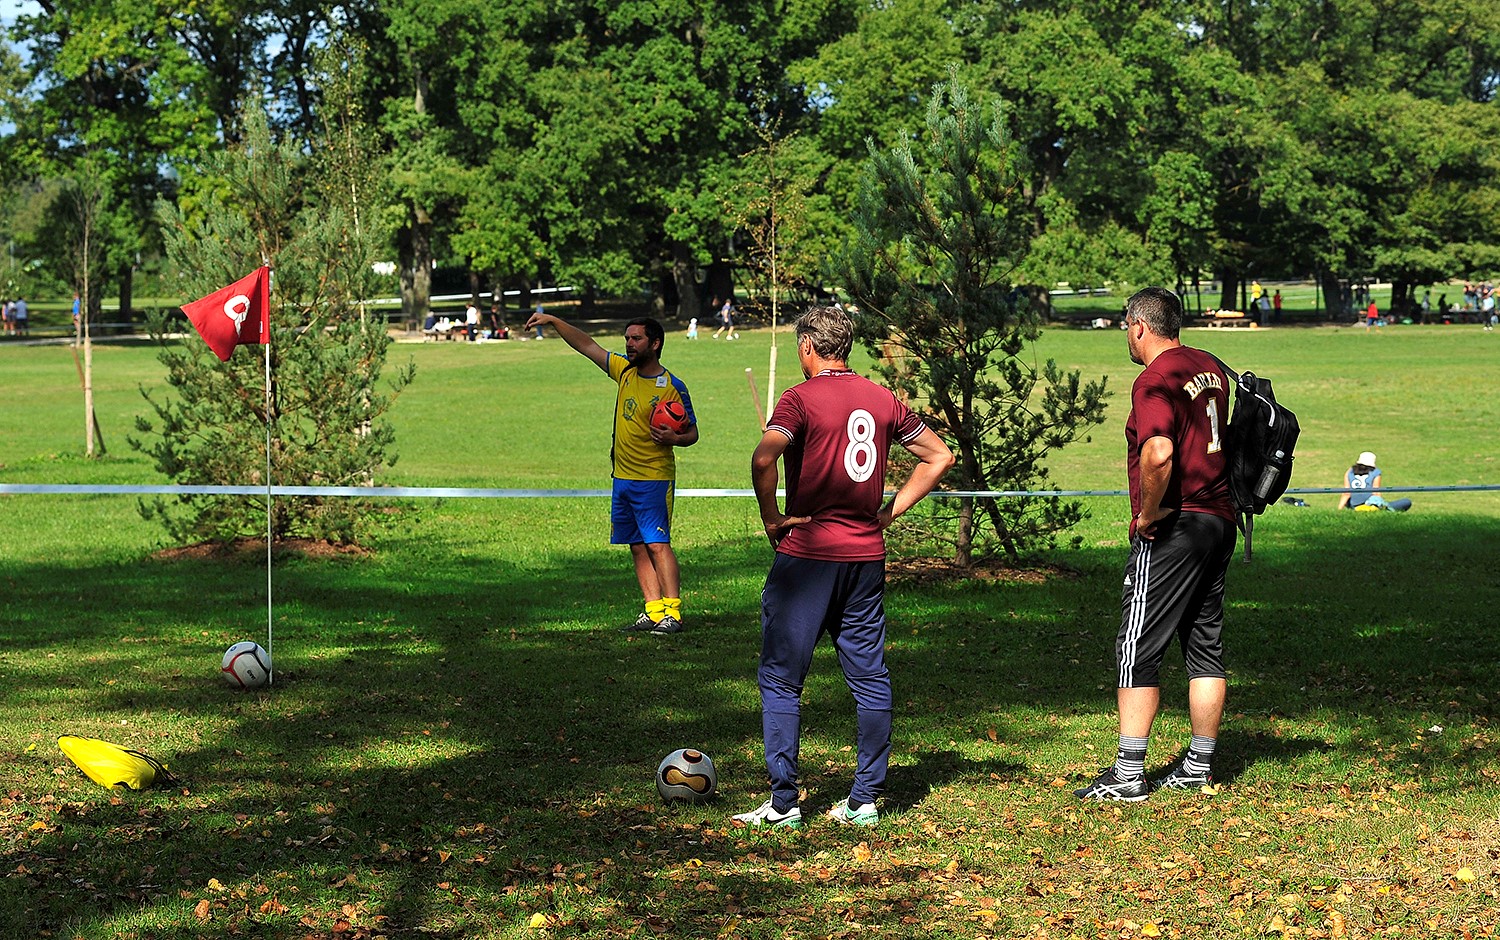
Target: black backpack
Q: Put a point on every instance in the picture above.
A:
(1258, 445)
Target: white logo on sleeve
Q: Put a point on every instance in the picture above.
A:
(237, 308)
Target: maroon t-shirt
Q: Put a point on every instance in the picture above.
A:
(1182, 396)
(840, 426)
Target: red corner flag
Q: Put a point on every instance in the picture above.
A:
(235, 315)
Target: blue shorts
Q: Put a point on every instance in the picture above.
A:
(641, 511)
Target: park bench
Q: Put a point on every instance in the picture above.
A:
(1226, 317)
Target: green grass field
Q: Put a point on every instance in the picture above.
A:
(460, 744)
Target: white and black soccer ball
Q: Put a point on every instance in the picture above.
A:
(247, 665)
(686, 774)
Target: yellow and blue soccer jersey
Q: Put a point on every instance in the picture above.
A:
(636, 455)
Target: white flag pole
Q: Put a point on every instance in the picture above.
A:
(270, 651)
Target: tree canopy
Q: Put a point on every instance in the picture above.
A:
(607, 144)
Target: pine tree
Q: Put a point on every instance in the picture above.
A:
(265, 202)
(940, 232)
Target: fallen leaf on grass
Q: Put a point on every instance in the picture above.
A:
(538, 922)
(862, 852)
(203, 910)
(1464, 874)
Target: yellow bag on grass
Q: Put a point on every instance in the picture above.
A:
(110, 765)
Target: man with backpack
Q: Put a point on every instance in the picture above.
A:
(1182, 535)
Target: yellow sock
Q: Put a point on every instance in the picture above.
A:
(655, 610)
(673, 606)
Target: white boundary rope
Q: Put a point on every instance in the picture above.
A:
(454, 492)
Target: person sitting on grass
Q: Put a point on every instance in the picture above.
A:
(1363, 482)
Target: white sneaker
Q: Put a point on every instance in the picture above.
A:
(854, 814)
(767, 816)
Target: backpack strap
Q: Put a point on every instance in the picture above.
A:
(1244, 521)
(1234, 377)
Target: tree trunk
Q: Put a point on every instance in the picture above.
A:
(719, 283)
(127, 292)
(972, 479)
(963, 555)
(1229, 288)
(1333, 295)
(1400, 298)
(89, 427)
(497, 296)
(685, 276)
(418, 229)
(419, 237)
(406, 269)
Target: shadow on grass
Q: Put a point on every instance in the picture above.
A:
(481, 722)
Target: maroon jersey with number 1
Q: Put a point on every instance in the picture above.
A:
(840, 426)
(1182, 396)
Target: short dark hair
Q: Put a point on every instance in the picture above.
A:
(654, 331)
(831, 331)
(1158, 308)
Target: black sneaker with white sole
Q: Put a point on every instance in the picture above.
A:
(667, 624)
(1108, 787)
(643, 623)
(1179, 779)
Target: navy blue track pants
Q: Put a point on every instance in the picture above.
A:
(803, 598)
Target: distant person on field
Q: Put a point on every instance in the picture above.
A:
(1182, 535)
(1372, 315)
(692, 330)
(645, 470)
(1276, 307)
(726, 321)
(833, 435)
(471, 320)
(23, 317)
(8, 315)
(496, 318)
(1363, 482)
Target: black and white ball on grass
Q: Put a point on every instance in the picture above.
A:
(688, 775)
(246, 665)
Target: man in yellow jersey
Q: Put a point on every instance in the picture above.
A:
(645, 471)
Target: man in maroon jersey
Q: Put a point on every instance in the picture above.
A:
(1181, 538)
(834, 433)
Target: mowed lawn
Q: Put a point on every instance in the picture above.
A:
(460, 743)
